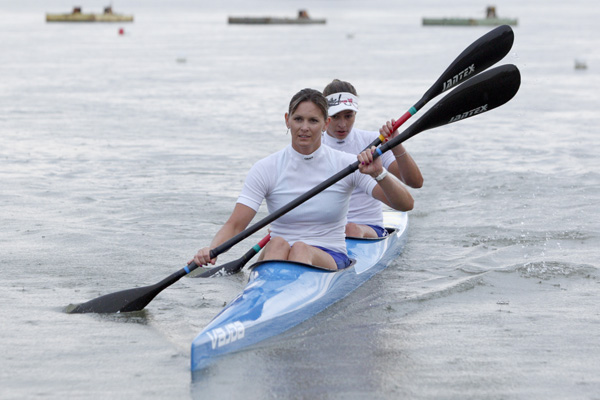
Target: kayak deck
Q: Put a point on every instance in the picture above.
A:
(281, 294)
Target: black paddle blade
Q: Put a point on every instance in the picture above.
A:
(229, 268)
(128, 300)
(483, 93)
(123, 301)
(138, 298)
(479, 56)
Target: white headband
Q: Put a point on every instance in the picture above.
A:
(342, 101)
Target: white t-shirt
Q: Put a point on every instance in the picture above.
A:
(287, 174)
(363, 209)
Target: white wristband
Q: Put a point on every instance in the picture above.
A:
(382, 175)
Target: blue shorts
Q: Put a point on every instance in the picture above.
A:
(381, 232)
(341, 260)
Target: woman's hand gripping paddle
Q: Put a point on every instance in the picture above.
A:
(233, 267)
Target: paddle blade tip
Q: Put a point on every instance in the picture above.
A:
(220, 271)
(74, 309)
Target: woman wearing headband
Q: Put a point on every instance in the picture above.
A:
(365, 218)
(314, 232)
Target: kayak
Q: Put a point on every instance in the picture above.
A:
(281, 294)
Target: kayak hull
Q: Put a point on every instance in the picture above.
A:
(281, 294)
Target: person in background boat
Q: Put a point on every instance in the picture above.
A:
(312, 233)
(365, 217)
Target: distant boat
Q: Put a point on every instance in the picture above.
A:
(302, 18)
(78, 16)
(490, 20)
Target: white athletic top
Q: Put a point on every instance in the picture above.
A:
(363, 209)
(287, 174)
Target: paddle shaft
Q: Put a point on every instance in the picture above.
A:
(473, 97)
(481, 54)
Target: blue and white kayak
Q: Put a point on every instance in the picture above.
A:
(281, 294)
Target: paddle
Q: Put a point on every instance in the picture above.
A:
(233, 267)
(483, 93)
(480, 55)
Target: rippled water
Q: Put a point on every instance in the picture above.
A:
(121, 155)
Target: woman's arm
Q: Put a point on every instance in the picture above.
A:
(389, 190)
(404, 167)
(237, 222)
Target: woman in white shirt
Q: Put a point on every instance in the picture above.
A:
(365, 217)
(312, 233)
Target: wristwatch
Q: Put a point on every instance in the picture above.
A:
(382, 175)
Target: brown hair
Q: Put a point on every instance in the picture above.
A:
(312, 95)
(337, 86)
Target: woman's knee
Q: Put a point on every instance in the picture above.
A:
(353, 230)
(277, 248)
(298, 248)
(300, 252)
